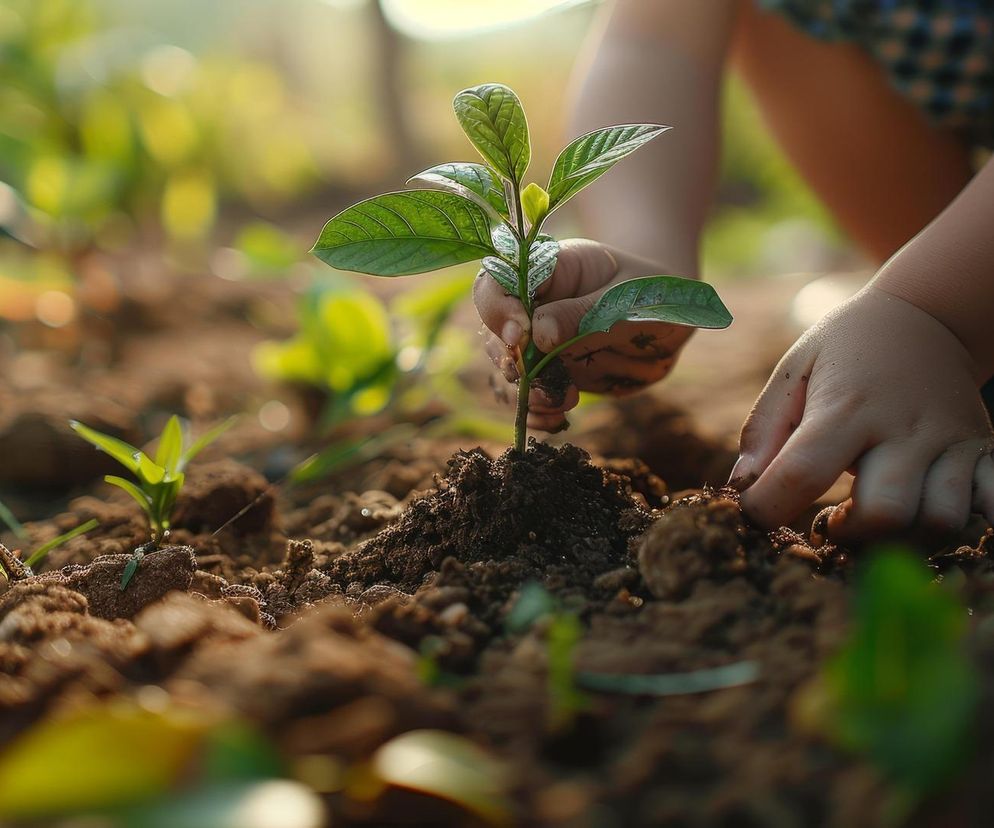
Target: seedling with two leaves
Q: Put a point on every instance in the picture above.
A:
(464, 212)
(159, 481)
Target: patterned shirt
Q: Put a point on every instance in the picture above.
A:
(937, 53)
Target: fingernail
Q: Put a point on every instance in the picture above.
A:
(511, 333)
(742, 476)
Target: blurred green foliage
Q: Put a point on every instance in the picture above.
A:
(903, 690)
(101, 126)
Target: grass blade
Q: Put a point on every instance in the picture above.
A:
(39, 554)
(12, 522)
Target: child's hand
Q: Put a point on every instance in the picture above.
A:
(631, 356)
(882, 388)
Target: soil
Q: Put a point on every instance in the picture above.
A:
(337, 615)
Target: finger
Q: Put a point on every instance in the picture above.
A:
(546, 422)
(775, 415)
(810, 461)
(605, 370)
(582, 266)
(556, 322)
(886, 492)
(540, 402)
(983, 488)
(503, 357)
(947, 494)
(501, 313)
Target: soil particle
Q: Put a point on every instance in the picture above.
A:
(554, 382)
(158, 573)
(213, 493)
(692, 540)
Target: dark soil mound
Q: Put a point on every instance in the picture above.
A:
(546, 514)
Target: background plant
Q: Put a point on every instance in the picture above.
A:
(902, 689)
(157, 482)
(486, 212)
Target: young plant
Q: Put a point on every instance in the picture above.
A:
(466, 212)
(159, 481)
(902, 690)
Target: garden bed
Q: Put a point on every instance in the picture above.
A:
(331, 618)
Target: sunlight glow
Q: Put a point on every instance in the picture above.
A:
(441, 19)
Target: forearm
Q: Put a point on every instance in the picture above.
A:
(947, 270)
(658, 62)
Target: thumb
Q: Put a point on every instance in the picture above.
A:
(582, 266)
(556, 322)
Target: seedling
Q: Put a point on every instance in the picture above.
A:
(465, 212)
(902, 690)
(159, 481)
(13, 568)
(562, 634)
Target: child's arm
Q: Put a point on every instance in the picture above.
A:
(658, 62)
(887, 384)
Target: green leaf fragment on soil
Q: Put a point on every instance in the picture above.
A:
(672, 684)
(399, 234)
(670, 299)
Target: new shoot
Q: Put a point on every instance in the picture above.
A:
(462, 212)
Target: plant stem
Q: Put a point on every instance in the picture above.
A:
(539, 366)
(521, 417)
(524, 380)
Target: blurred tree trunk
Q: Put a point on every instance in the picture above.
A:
(391, 50)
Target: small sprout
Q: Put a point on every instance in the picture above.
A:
(562, 634)
(902, 689)
(159, 481)
(482, 212)
(671, 684)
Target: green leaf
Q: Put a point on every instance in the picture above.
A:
(141, 497)
(39, 554)
(542, 257)
(535, 203)
(534, 602)
(670, 299)
(149, 472)
(398, 234)
(492, 118)
(205, 440)
(124, 453)
(170, 447)
(672, 684)
(505, 243)
(903, 690)
(65, 748)
(472, 181)
(130, 568)
(505, 275)
(448, 766)
(591, 155)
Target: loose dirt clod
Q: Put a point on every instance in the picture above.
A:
(548, 514)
